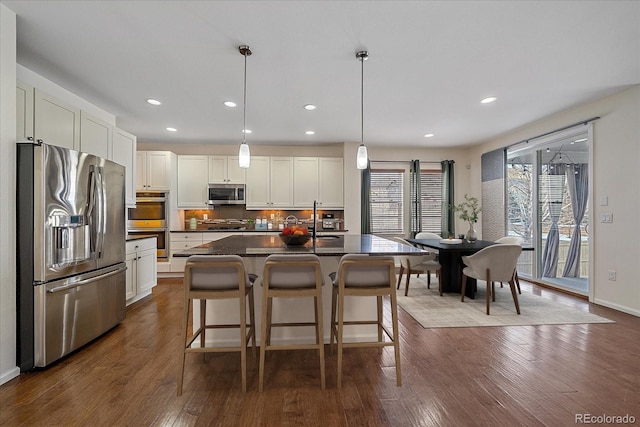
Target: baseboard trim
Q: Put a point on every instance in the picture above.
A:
(618, 307)
(9, 375)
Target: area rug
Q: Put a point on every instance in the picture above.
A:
(431, 310)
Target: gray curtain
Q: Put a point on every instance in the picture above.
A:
(448, 219)
(555, 191)
(365, 200)
(578, 184)
(416, 203)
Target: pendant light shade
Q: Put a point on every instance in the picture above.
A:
(244, 155)
(362, 159)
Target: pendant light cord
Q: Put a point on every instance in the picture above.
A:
(244, 103)
(362, 101)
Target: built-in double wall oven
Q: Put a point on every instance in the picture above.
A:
(149, 217)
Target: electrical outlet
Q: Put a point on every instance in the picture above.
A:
(611, 275)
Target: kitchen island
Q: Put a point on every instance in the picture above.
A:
(255, 249)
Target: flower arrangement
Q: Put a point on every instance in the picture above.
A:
(468, 210)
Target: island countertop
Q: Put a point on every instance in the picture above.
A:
(261, 246)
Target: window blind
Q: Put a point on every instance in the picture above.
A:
(387, 214)
(431, 199)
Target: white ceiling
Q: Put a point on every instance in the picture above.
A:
(430, 64)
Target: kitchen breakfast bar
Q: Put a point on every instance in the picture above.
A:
(255, 249)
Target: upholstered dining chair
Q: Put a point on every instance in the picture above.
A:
(512, 240)
(291, 276)
(494, 263)
(361, 275)
(214, 277)
(418, 264)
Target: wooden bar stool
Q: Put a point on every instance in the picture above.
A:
(212, 277)
(291, 276)
(364, 275)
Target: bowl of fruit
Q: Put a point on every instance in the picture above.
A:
(295, 235)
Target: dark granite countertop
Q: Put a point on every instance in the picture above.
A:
(336, 245)
(130, 237)
(223, 230)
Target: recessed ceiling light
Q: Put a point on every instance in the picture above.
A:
(229, 103)
(172, 129)
(309, 107)
(428, 135)
(153, 101)
(488, 100)
(247, 131)
(310, 132)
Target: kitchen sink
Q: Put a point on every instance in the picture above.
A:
(328, 237)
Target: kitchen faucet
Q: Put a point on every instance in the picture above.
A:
(315, 221)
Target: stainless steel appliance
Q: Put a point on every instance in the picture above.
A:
(328, 222)
(149, 217)
(226, 194)
(70, 251)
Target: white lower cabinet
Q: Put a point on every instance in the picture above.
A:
(141, 268)
(188, 240)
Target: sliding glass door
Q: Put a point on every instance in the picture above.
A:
(548, 205)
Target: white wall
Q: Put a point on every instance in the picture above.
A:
(8, 368)
(616, 157)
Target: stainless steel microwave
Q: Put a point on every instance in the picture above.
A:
(227, 194)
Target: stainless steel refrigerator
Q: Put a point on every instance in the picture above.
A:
(70, 251)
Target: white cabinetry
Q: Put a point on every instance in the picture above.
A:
(331, 182)
(188, 240)
(24, 117)
(319, 179)
(124, 151)
(56, 122)
(141, 268)
(270, 183)
(153, 170)
(180, 242)
(226, 170)
(96, 136)
(192, 184)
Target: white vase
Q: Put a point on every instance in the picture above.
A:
(471, 236)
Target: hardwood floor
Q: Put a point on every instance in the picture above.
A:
(494, 376)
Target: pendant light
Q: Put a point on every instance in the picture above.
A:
(244, 156)
(361, 158)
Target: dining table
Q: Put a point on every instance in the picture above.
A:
(450, 253)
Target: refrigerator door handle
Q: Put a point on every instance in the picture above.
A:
(91, 207)
(102, 211)
(85, 281)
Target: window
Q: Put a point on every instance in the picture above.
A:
(431, 200)
(387, 212)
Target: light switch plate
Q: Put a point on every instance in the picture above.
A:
(604, 201)
(606, 217)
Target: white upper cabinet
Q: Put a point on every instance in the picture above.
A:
(96, 136)
(192, 186)
(55, 121)
(270, 183)
(281, 182)
(331, 182)
(153, 170)
(226, 170)
(319, 179)
(258, 183)
(305, 186)
(124, 151)
(24, 117)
